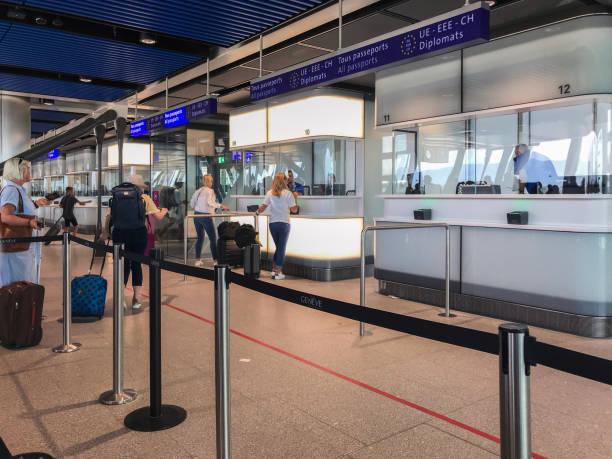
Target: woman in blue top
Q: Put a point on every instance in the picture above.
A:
(18, 266)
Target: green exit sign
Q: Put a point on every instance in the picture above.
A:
(221, 159)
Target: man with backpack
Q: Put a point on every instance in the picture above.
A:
(128, 210)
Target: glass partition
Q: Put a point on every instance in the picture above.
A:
(549, 151)
(322, 167)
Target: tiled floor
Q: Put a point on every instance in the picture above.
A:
(304, 384)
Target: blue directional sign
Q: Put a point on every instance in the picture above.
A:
(175, 118)
(201, 108)
(138, 128)
(452, 33)
(53, 154)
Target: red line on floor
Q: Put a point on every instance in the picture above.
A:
(354, 381)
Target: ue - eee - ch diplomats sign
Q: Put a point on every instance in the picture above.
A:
(448, 34)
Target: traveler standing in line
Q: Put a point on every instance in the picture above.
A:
(203, 202)
(281, 202)
(17, 216)
(67, 203)
(128, 210)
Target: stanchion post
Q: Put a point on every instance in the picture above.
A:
(222, 378)
(156, 416)
(119, 395)
(185, 242)
(447, 312)
(67, 346)
(514, 404)
(362, 279)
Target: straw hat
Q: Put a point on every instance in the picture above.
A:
(137, 180)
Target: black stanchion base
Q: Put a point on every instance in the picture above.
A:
(142, 421)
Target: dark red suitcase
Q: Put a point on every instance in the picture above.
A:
(21, 305)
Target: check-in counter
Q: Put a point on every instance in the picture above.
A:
(553, 272)
(324, 242)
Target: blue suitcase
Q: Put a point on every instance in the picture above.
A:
(89, 293)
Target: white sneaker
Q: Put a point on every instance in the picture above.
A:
(272, 275)
(279, 276)
(136, 306)
(199, 263)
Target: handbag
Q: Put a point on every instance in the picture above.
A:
(10, 231)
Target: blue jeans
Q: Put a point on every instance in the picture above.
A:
(205, 224)
(280, 234)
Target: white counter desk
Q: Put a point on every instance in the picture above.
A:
(553, 272)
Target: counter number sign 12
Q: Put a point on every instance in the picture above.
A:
(564, 89)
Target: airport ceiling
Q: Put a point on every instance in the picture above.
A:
(95, 49)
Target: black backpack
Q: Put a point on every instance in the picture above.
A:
(127, 207)
(245, 236)
(227, 230)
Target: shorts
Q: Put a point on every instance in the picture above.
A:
(70, 221)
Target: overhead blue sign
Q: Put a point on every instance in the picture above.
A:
(201, 108)
(138, 128)
(443, 36)
(53, 154)
(175, 118)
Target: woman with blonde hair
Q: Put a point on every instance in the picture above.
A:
(280, 202)
(17, 215)
(203, 202)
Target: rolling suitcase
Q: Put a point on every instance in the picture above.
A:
(89, 293)
(229, 253)
(21, 305)
(54, 229)
(252, 260)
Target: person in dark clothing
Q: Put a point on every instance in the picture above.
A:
(67, 203)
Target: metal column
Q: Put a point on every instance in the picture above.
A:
(222, 378)
(119, 395)
(66, 287)
(515, 428)
(447, 312)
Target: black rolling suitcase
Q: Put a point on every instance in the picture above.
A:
(252, 260)
(228, 253)
(21, 305)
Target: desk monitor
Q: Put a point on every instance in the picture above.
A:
(318, 190)
(337, 189)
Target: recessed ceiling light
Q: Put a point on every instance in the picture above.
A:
(491, 2)
(48, 102)
(84, 79)
(40, 20)
(57, 22)
(147, 39)
(16, 14)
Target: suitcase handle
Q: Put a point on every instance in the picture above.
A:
(93, 257)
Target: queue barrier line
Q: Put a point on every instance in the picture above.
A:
(555, 357)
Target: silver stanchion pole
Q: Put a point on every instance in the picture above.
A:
(119, 395)
(447, 312)
(67, 346)
(362, 279)
(222, 386)
(185, 242)
(515, 428)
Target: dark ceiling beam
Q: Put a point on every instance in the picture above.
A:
(100, 29)
(63, 76)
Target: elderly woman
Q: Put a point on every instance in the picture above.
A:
(15, 208)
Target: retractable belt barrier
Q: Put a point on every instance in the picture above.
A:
(559, 358)
(30, 239)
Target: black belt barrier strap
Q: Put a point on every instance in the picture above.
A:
(179, 268)
(576, 363)
(92, 245)
(30, 239)
(451, 334)
(558, 358)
